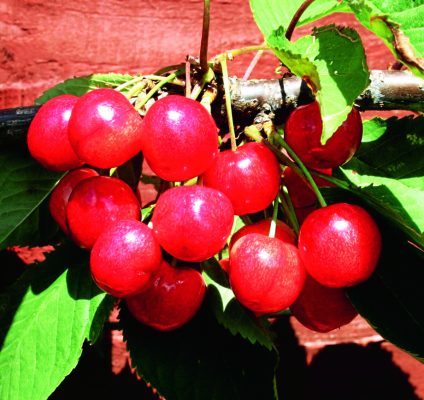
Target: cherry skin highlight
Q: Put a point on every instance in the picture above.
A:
(124, 258)
(265, 273)
(105, 129)
(249, 177)
(95, 203)
(192, 223)
(322, 309)
(60, 195)
(180, 139)
(339, 245)
(47, 137)
(172, 300)
(303, 134)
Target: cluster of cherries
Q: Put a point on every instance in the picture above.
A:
(269, 269)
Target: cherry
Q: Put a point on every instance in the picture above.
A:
(180, 139)
(249, 176)
(321, 308)
(105, 129)
(124, 258)
(303, 134)
(265, 274)
(47, 137)
(192, 223)
(97, 202)
(173, 298)
(60, 195)
(339, 245)
(225, 264)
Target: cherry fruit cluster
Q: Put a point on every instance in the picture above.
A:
(155, 267)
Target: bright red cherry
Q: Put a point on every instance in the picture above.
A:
(105, 129)
(321, 308)
(265, 274)
(180, 139)
(60, 194)
(95, 203)
(303, 134)
(249, 177)
(225, 264)
(339, 245)
(124, 258)
(47, 137)
(173, 298)
(192, 223)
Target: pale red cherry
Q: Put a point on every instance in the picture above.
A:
(180, 139)
(265, 273)
(303, 134)
(105, 129)
(173, 298)
(47, 137)
(124, 258)
(249, 177)
(192, 223)
(339, 245)
(60, 194)
(95, 203)
(322, 309)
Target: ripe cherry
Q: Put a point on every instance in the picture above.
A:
(265, 274)
(60, 194)
(303, 134)
(173, 298)
(124, 258)
(105, 129)
(249, 177)
(321, 308)
(97, 202)
(47, 137)
(192, 223)
(180, 139)
(339, 245)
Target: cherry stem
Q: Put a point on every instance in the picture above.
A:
(296, 18)
(230, 54)
(129, 83)
(187, 79)
(168, 68)
(289, 209)
(228, 103)
(252, 64)
(273, 225)
(205, 37)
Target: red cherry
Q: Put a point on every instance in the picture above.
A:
(339, 245)
(105, 129)
(180, 139)
(97, 202)
(192, 223)
(266, 274)
(321, 308)
(225, 264)
(124, 258)
(47, 137)
(303, 134)
(249, 177)
(60, 194)
(171, 301)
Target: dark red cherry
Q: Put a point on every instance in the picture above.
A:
(249, 177)
(124, 258)
(60, 194)
(339, 245)
(95, 203)
(321, 308)
(105, 129)
(265, 274)
(303, 134)
(173, 298)
(47, 137)
(180, 139)
(192, 223)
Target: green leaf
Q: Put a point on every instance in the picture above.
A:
(45, 317)
(269, 15)
(200, 360)
(24, 185)
(399, 24)
(83, 84)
